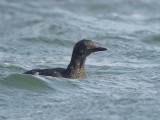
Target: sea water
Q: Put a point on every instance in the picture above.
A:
(123, 83)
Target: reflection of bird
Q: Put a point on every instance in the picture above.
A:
(76, 68)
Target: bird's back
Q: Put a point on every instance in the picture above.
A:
(56, 72)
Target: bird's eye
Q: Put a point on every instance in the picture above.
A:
(83, 51)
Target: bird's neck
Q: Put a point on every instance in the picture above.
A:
(76, 68)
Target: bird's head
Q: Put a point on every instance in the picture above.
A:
(85, 47)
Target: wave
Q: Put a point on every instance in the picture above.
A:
(154, 39)
(26, 82)
(40, 83)
(47, 40)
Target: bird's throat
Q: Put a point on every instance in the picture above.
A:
(76, 68)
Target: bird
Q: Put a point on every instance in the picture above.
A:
(76, 67)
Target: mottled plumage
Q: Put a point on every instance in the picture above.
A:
(76, 67)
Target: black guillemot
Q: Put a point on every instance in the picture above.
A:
(76, 67)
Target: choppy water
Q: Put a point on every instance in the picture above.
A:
(122, 84)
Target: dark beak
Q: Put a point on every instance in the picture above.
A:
(98, 49)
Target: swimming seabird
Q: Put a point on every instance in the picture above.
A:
(76, 67)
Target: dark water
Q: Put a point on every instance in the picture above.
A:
(122, 84)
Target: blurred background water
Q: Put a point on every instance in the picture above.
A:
(122, 83)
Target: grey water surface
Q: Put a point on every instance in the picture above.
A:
(122, 83)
